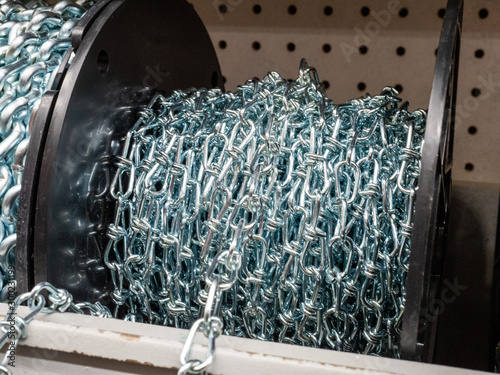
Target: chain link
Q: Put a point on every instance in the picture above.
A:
(33, 39)
(13, 327)
(211, 325)
(302, 208)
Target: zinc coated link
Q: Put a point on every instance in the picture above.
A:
(13, 327)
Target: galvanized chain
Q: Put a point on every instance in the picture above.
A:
(33, 38)
(13, 327)
(210, 324)
(318, 197)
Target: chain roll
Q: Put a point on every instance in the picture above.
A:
(325, 194)
(33, 39)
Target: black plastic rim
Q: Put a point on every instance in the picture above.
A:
(428, 242)
(125, 52)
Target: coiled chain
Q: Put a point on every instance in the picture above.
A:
(33, 39)
(300, 208)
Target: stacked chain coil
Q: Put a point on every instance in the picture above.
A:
(299, 210)
(33, 39)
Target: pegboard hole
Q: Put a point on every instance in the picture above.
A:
(327, 48)
(365, 11)
(222, 44)
(441, 12)
(483, 13)
(214, 79)
(290, 47)
(436, 51)
(328, 10)
(479, 53)
(256, 46)
(223, 8)
(400, 51)
(403, 12)
(363, 50)
(361, 86)
(472, 130)
(399, 88)
(475, 92)
(103, 62)
(326, 85)
(257, 9)
(469, 167)
(224, 79)
(292, 9)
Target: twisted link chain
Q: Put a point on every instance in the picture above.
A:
(13, 327)
(211, 325)
(313, 201)
(33, 39)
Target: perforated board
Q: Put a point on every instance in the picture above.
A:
(362, 46)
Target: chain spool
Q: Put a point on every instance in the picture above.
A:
(80, 123)
(34, 38)
(302, 210)
(65, 204)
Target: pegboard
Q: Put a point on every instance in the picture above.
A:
(360, 47)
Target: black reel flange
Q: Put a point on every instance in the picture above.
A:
(123, 53)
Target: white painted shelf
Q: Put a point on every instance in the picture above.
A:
(76, 344)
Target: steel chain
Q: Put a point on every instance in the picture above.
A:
(13, 327)
(324, 194)
(33, 39)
